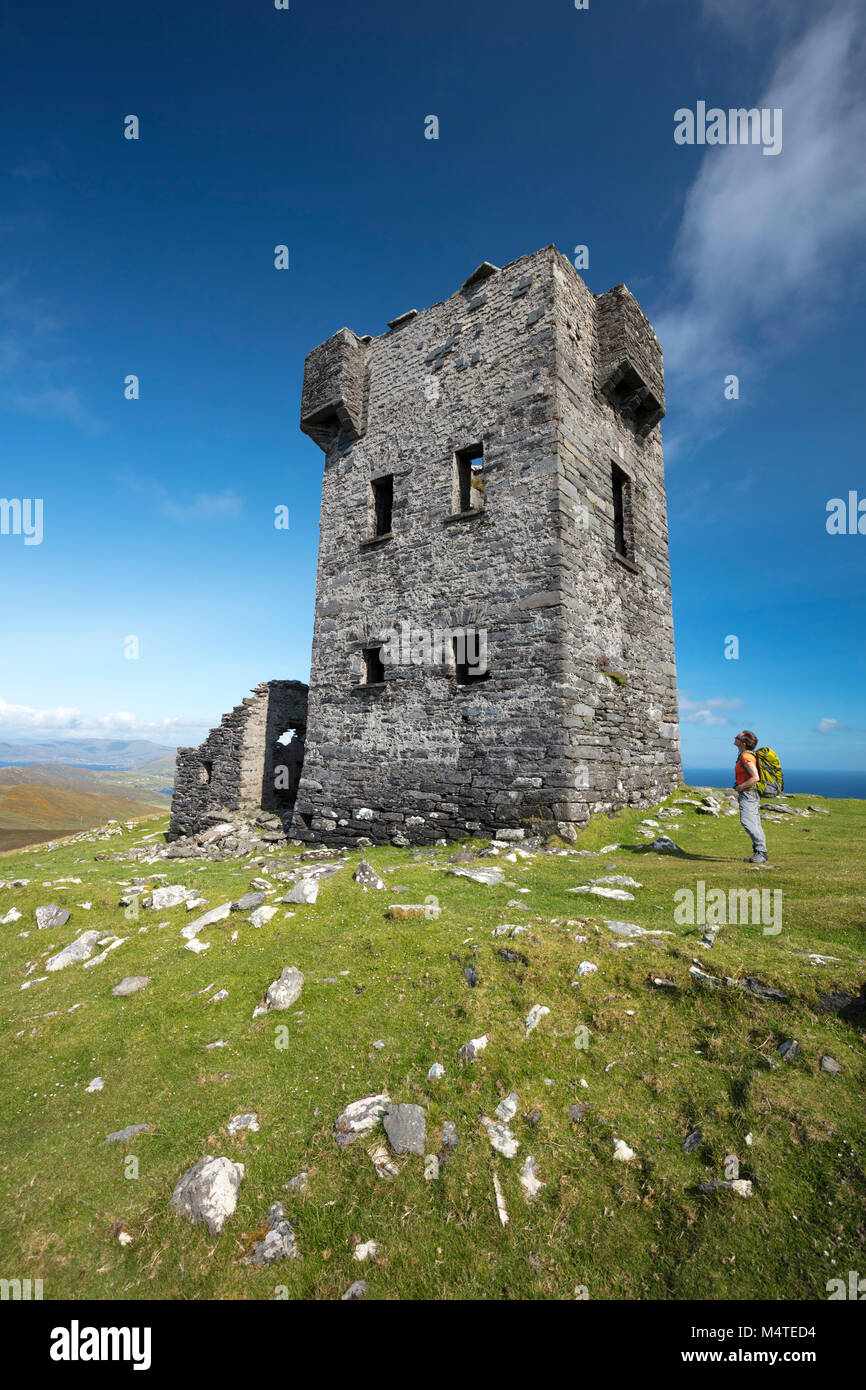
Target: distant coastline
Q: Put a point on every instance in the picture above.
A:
(833, 783)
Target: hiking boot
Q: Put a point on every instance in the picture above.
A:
(757, 859)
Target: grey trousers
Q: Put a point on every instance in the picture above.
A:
(750, 819)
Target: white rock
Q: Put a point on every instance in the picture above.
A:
(208, 1192)
(95, 1085)
(621, 1151)
(306, 890)
(219, 996)
(431, 1168)
(486, 876)
(507, 1108)
(246, 1121)
(632, 929)
(283, 993)
(385, 1165)
(501, 1138)
(360, 1117)
(11, 916)
(366, 1251)
(534, 1017)
(470, 1050)
(171, 896)
(77, 951)
(530, 1183)
(586, 967)
(619, 894)
(618, 881)
(436, 1071)
(262, 915)
(216, 914)
(197, 946)
(500, 1200)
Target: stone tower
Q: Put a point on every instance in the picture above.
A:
(493, 640)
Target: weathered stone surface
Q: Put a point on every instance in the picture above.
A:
(403, 912)
(501, 1138)
(529, 1179)
(208, 1192)
(77, 951)
(122, 1136)
(507, 1108)
(208, 919)
(262, 916)
(489, 877)
(601, 891)
(306, 890)
(170, 896)
(367, 877)
(406, 1128)
(631, 929)
(356, 1290)
(534, 1017)
(830, 1065)
(283, 993)
(248, 1120)
(248, 902)
(360, 1117)
(470, 1050)
(51, 916)
(131, 984)
(279, 1243)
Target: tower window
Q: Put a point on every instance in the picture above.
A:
(374, 670)
(205, 773)
(468, 479)
(383, 504)
(621, 485)
(469, 666)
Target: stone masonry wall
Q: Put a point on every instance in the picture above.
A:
(518, 361)
(235, 766)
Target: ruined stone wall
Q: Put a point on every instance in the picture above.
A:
(525, 362)
(235, 766)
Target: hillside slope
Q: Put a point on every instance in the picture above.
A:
(697, 1078)
(63, 808)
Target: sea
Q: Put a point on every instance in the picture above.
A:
(837, 784)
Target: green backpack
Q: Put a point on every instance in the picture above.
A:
(771, 781)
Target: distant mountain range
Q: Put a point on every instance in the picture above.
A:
(81, 752)
(41, 800)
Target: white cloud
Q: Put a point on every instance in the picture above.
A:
(835, 726)
(767, 246)
(21, 719)
(705, 712)
(202, 506)
(60, 403)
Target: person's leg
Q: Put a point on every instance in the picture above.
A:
(750, 820)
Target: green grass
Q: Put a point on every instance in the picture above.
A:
(628, 1231)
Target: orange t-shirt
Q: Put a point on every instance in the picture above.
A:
(742, 773)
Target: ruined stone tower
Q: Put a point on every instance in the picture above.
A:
(493, 467)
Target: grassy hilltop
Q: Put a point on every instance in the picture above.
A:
(659, 1064)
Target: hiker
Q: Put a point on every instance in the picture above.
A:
(747, 775)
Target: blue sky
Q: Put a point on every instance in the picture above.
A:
(306, 127)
